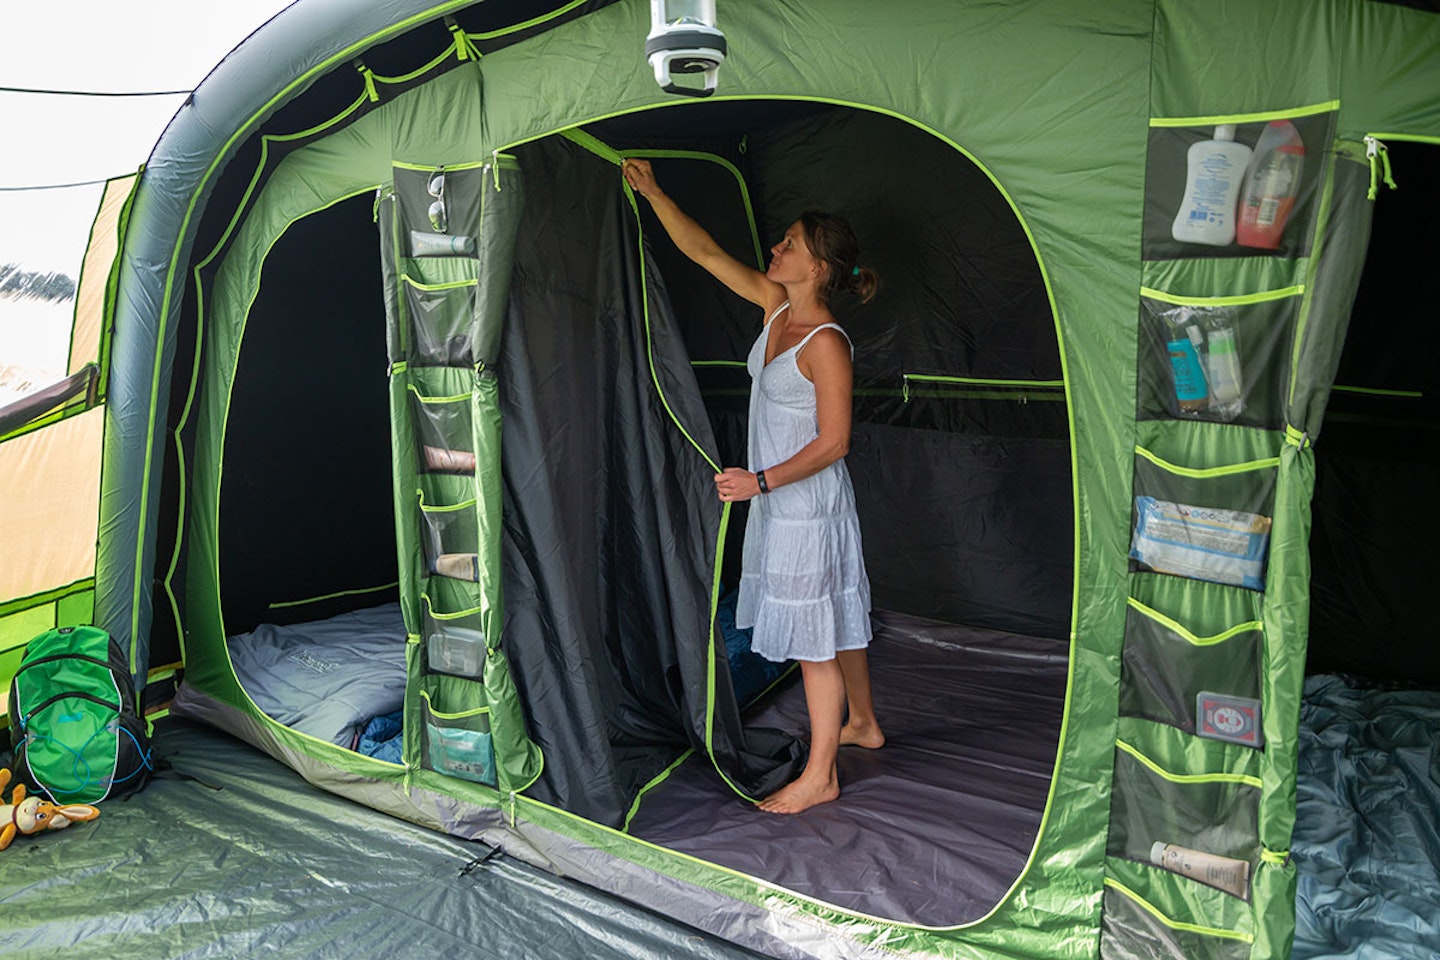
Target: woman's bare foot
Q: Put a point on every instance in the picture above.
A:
(801, 794)
(867, 734)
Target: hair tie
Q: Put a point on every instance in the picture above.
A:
(855, 272)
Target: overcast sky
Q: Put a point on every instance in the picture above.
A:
(95, 45)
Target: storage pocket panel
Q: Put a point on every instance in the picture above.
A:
(1203, 684)
(1221, 359)
(1166, 818)
(450, 539)
(457, 729)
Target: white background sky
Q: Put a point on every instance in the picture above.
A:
(91, 45)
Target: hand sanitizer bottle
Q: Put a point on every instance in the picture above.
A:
(1222, 368)
(1214, 171)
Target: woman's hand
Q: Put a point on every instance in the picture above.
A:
(736, 485)
(641, 178)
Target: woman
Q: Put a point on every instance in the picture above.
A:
(803, 585)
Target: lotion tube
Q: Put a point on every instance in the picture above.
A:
(1222, 873)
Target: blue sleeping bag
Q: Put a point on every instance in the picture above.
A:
(750, 673)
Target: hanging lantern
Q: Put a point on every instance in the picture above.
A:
(683, 39)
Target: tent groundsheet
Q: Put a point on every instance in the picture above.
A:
(228, 853)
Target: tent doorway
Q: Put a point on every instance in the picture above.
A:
(961, 462)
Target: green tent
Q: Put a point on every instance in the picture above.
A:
(383, 305)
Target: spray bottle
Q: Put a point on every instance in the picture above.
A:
(1271, 183)
(1214, 171)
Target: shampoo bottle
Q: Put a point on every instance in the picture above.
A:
(1214, 171)
(1222, 369)
(1271, 183)
(1187, 372)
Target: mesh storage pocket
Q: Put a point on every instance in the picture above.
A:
(1133, 930)
(1222, 359)
(454, 642)
(457, 729)
(1203, 684)
(444, 441)
(450, 539)
(1245, 188)
(439, 209)
(1212, 814)
(1203, 522)
(440, 304)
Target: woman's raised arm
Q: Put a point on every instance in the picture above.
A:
(698, 245)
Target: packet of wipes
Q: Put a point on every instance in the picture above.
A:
(1204, 543)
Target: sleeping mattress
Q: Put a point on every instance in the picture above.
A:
(326, 678)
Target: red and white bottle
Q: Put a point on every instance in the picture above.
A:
(1271, 185)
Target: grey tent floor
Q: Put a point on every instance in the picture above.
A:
(931, 829)
(234, 855)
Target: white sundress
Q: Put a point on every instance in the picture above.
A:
(803, 585)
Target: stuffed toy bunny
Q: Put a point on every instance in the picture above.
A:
(27, 815)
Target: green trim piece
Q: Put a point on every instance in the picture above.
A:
(455, 398)
(1322, 224)
(1275, 858)
(1410, 137)
(734, 172)
(1180, 631)
(1014, 395)
(358, 591)
(447, 285)
(719, 363)
(655, 781)
(596, 146)
(73, 407)
(444, 507)
(436, 168)
(1326, 107)
(421, 71)
(21, 604)
(1232, 301)
(1377, 392)
(1154, 911)
(981, 381)
(1160, 771)
(711, 646)
(430, 610)
(1207, 473)
(463, 714)
(532, 22)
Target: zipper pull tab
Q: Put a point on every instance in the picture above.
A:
(905, 388)
(1379, 158)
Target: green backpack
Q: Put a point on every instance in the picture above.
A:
(73, 723)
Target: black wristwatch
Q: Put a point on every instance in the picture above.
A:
(760, 479)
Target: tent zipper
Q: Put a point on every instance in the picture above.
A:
(1379, 157)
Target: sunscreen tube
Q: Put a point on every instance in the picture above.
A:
(448, 461)
(459, 566)
(1222, 873)
(440, 244)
